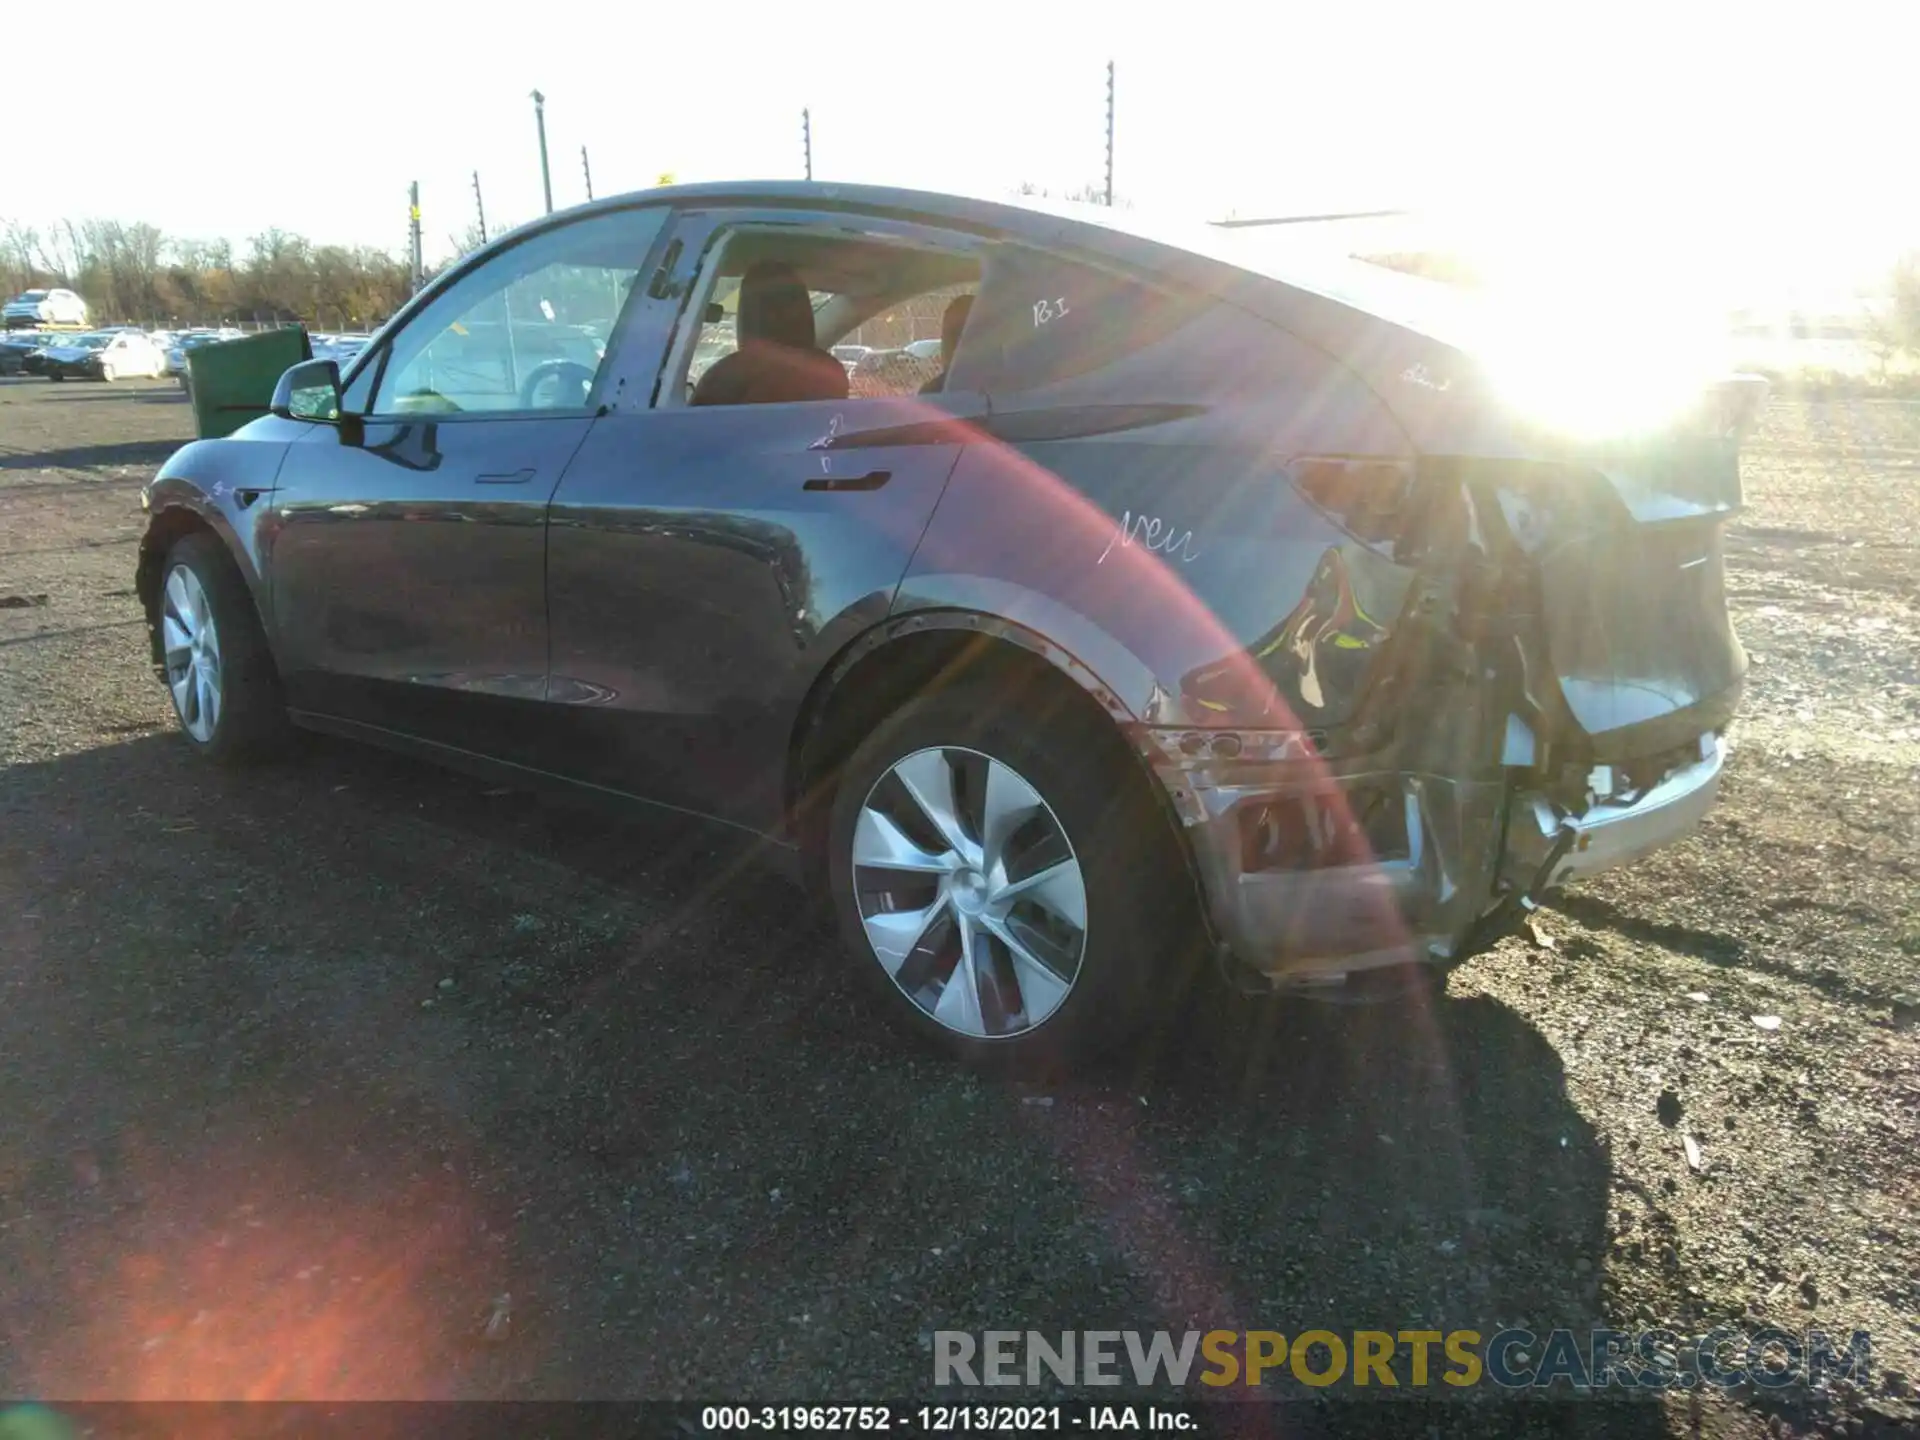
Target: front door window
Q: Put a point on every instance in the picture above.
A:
(526, 331)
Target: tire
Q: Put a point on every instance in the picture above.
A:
(1053, 791)
(109, 374)
(231, 709)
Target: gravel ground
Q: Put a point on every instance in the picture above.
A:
(309, 1074)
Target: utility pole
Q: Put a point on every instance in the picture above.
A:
(1109, 133)
(540, 119)
(413, 228)
(586, 170)
(479, 207)
(806, 140)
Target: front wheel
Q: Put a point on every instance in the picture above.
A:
(218, 668)
(1006, 882)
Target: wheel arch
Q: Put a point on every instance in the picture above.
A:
(170, 521)
(908, 654)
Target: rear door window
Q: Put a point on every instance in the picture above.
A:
(881, 300)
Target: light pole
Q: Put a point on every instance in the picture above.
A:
(1109, 133)
(413, 233)
(806, 140)
(540, 119)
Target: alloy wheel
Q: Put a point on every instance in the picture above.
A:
(192, 647)
(970, 892)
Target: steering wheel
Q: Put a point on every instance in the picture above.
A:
(567, 381)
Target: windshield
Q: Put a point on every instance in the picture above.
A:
(33, 294)
(85, 342)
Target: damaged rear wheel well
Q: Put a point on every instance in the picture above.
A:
(878, 675)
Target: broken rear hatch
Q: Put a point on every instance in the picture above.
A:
(1593, 480)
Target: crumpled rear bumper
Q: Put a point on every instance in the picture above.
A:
(1311, 873)
(1616, 832)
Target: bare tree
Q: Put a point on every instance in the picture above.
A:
(1089, 193)
(1894, 324)
(20, 257)
(131, 272)
(467, 241)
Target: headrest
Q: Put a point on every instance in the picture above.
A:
(953, 321)
(774, 306)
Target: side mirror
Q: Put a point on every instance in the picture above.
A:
(309, 391)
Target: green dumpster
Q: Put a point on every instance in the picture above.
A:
(232, 382)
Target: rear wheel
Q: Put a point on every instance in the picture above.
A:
(219, 670)
(1009, 888)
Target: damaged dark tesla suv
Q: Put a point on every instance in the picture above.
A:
(1204, 602)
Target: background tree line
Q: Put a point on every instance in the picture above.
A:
(133, 274)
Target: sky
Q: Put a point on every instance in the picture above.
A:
(1702, 144)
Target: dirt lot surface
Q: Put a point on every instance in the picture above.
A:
(308, 1074)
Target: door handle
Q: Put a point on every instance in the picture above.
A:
(872, 480)
(518, 477)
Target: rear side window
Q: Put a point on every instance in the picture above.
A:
(1041, 319)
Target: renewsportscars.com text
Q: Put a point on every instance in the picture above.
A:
(1771, 1358)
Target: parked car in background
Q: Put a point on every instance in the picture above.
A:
(851, 355)
(344, 348)
(16, 346)
(44, 307)
(35, 360)
(1226, 605)
(892, 372)
(193, 340)
(106, 355)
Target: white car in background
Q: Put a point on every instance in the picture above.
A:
(343, 348)
(44, 307)
(105, 355)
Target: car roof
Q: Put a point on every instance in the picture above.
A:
(1314, 292)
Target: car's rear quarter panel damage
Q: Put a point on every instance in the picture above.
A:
(1342, 721)
(1248, 638)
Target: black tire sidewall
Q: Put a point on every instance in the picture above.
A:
(1139, 903)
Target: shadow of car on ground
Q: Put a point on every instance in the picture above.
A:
(321, 1074)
